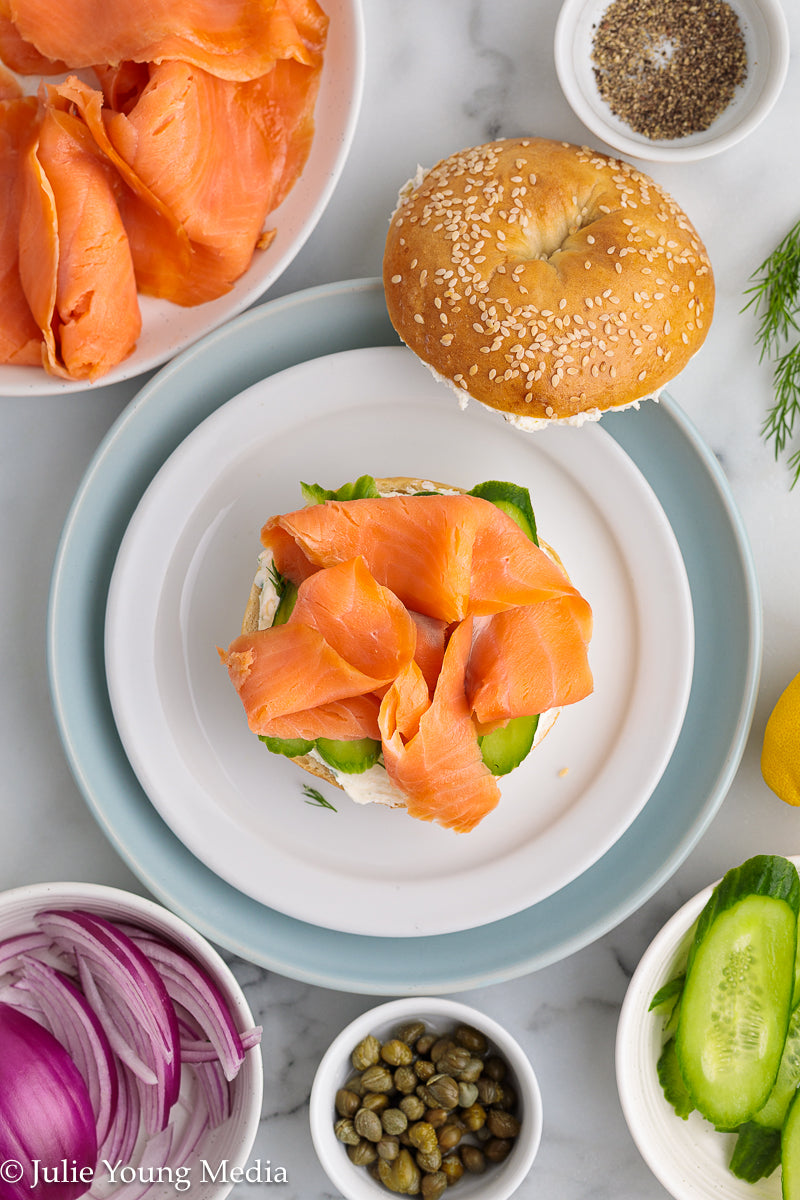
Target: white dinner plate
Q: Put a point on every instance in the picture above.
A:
(168, 328)
(179, 588)
(690, 1158)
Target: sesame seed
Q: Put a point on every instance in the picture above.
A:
(397, 279)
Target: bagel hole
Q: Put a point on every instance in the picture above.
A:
(550, 238)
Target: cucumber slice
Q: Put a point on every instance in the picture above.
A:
(773, 1114)
(757, 1152)
(504, 749)
(671, 1080)
(286, 604)
(291, 747)
(513, 500)
(352, 758)
(790, 1152)
(736, 1001)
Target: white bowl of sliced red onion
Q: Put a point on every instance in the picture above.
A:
(130, 1065)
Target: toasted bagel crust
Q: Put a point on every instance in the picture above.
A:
(546, 280)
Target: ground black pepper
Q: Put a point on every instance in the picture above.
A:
(668, 68)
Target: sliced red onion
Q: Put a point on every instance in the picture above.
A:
(155, 1154)
(76, 1026)
(117, 961)
(135, 1017)
(193, 988)
(124, 1132)
(45, 1111)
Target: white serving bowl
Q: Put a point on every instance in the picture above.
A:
(766, 36)
(690, 1158)
(230, 1143)
(440, 1015)
(169, 328)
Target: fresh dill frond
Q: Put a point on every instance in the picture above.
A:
(277, 580)
(316, 798)
(774, 293)
(775, 300)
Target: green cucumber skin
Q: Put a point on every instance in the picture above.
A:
(751, 921)
(773, 1114)
(290, 747)
(757, 1152)
(790, 1152)
(671, 1080)
(513, 499)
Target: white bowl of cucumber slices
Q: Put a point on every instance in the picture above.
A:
(749, 919)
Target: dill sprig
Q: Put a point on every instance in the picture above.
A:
(775, 299)
(316, 798)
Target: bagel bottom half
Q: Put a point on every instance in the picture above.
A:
(257, 616)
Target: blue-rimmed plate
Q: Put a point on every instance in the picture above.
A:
(686, 479)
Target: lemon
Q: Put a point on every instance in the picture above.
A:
(780, 754)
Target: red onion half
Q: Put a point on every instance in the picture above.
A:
(45, 1113)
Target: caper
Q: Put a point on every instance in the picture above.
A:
(424, 1069)
(362, 1154)
(347, 1102)
(474, 1117)
(422, 1135)
(502, 1124)
(402, 1175)
(429, 1162)
(472, 1071)
(508, 1097)
(474, 1160)
(394, 1120)
(443, 1090)
(424, 1043)
(449, 1136)
(375, 1102)
(396, 1053)
(453, 1168)
(355, 1085)
(368, 1125)
(436, 1116)
(497, 1149)
(454, 1059)
(439, 1047)
(405, 1080)
(433, 1186)
(495, 1068)
(473, 1039)
(413, 1107)
(488, 1091)
(377, 1078)
(388, 1148)
(366, 1053)
(411, 1032)
(346, 1132)
(467, 1094)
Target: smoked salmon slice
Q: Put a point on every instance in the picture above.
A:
(434, 552)
(20, 337)
(235, 39)
(75, 262)
(451, 620)
(439, 768)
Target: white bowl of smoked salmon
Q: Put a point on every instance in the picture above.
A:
(260, 115)
(480, 1127)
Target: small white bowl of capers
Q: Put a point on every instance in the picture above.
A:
(421, 1094)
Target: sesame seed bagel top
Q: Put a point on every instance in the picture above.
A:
(546, 280)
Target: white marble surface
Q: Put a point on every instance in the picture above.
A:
(441, 75)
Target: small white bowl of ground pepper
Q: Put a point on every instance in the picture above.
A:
(421, 1096)
(671, 80)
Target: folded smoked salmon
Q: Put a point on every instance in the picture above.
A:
(410, 642)
(153, 173)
